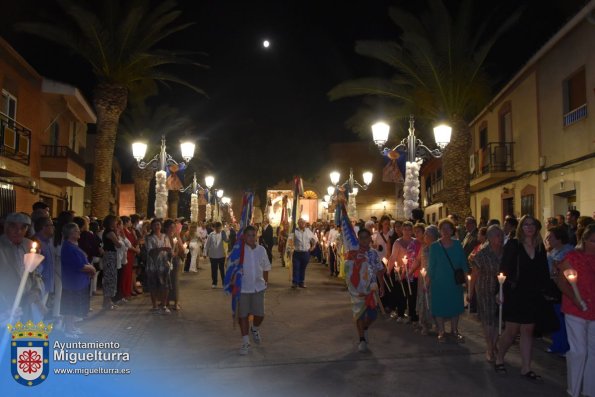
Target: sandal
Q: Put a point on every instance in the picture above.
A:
(532, 377)
(500, 369)
(441, 337)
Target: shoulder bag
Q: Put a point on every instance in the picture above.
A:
(459, 274)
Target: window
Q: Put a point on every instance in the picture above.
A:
(505, 122)
(575, 97)
(8, 104)
(485, 209)
(55, 134)
(528, 205)
(483, 137)
(528, 200)
(8, 200)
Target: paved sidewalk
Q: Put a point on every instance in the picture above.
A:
(309, 347)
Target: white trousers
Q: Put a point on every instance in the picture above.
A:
(580, 359)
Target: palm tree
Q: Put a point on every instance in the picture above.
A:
(118, 39)
(438, 64)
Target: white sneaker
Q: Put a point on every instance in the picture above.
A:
(363, 346)
(165, 310)
(244, 349)
(213, 286)
(255, 335)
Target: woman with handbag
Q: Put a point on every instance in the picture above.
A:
(580, 316)
(524, 263)
(446, 269)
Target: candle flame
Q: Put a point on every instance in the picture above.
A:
(33, 247)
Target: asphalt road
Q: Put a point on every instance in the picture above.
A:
(309, 348)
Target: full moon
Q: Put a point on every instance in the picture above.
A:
(266, 44)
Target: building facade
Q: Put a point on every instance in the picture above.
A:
(43, 139)
(534, 144)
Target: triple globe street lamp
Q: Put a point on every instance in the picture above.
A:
(351, 186)
(159, 164)
(416, 152)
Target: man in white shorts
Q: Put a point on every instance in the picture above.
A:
(255, 277)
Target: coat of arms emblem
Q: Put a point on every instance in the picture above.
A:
(29, 346)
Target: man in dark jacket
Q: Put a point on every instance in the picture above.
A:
(267, 238)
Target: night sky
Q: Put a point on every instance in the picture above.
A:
(268, 106)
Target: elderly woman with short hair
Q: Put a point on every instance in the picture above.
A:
(486, 261)
(76, 275)
(428, 237)
(447, 256)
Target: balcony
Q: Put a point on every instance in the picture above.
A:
(575, 115)
(61, 166)
(15, 144)
(491, 164)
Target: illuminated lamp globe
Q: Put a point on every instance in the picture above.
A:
(187, 149)
(367, 177)
(335, 176)
(442, 135)
(139, 149)
(380, 132)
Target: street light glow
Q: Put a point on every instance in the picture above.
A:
(442, 135)
(380, 132)
(335, 176)
(266, 44)
(139, 149)
(209, 181)
(219, 193)
(187, 149)
(330, 190)
(367, 177)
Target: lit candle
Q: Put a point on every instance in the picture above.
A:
(405, 261)
(30, 261)
(469, 292)
(423, 273)
(572, 276)
(501, 279)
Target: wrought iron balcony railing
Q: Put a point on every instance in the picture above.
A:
(62, 152)
(495, 157)
(15, 140)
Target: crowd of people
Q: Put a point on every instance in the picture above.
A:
(425, 275)
(116, 257)
(419, 274)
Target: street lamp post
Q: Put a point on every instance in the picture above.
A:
(194, 187)
(351, 186)
(415, 150)
(159, 164)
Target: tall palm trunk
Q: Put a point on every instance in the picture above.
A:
(173, 201)
(455, 165)
(110, 101)
(142, 181)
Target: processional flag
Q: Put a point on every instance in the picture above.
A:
(235, 261)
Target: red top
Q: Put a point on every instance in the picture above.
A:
(584, 265)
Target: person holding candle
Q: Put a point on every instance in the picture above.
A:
(159, 254)
(524, 263)
(44, 234)
(580, 323)
(557, 244)
(76, 277)
(447, 255)
(486, 263)
(13, 247)
(178, 255)
(111, 243)
(426, 321)
(404, 253)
